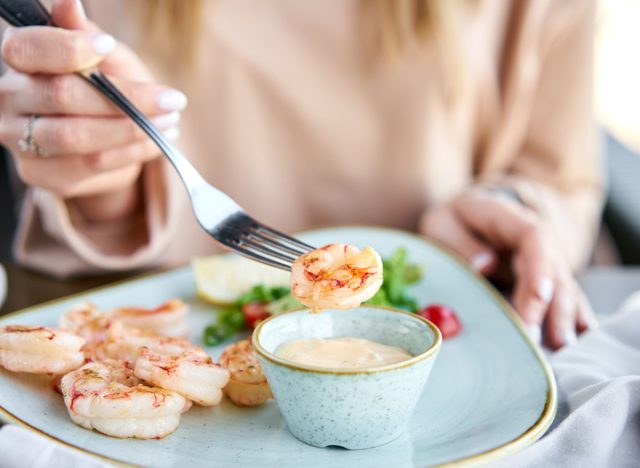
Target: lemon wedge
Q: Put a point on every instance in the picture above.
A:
(222, 279)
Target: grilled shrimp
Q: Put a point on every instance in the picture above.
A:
(337, 276)
(125, 343)
(247, 385)
(86, 320)
(192, 374)
(168, 319)
(107, 397)
(39, 350)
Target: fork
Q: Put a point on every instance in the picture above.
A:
(215, 211)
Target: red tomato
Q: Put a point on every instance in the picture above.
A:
(442, 317)
(254, 312)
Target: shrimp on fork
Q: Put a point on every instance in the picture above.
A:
(337, 276)
(107, 397)
(247, 385)
(169, 319)
(191, 374)
(39, 350)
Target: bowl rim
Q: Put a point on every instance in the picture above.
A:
(273, 358)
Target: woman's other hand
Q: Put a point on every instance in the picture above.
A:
(87, 149)
(483, 227)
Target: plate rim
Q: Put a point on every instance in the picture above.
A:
(526, 438)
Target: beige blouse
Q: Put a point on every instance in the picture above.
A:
(288, 117)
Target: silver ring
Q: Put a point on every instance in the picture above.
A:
(27, 142)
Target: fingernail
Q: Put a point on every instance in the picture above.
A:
(172, 134)
(593, 324)
(163, 121)
(80, 8)
(171, 100)
(535, 333)
(103, 43)
(569, 337)
(545, 289)
(481, 261)
(7, 33)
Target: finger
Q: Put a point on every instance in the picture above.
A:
(71, 95)
(586, 319)
(560, 322)
(63, 174)
(534, 280)
(43, 49)
(509, 226)
(105, 182)
(444, 226)
(81, 135)
(70, 14)
(501, 221)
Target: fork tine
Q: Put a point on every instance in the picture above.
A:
(266, 250)
(270, 241)
(257, 257)
(279, 236)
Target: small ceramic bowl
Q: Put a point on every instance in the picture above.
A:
(350, 408)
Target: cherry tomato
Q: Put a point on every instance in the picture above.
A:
(442, 317)
(254, 312)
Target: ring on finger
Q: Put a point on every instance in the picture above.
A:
(28, 143)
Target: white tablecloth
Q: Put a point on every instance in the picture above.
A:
(600, 378)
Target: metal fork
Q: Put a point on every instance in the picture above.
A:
(215, 211)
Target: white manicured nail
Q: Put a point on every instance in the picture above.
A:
(569, 337)
(172, 134)
(103, 43)
(163, 121)
(481, 260)
(545, 289)
(80, 8)
(171, 100)
(8, 32)
(535, 333)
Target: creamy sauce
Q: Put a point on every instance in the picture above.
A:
(343, 353)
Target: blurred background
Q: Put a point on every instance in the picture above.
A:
(617, 97)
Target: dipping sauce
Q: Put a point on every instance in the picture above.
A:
(343, 353)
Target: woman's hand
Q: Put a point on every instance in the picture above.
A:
(88, 149)
(483, 226)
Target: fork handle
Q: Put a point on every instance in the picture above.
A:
(189, 175)
(24, 13)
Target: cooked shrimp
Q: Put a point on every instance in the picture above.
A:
(247, 384)
(86, 320)
(338, 276)
(168, 319)
(39, 350)
(192, 374)
(107, 397)
(124, 343)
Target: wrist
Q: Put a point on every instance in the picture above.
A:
(111, 206)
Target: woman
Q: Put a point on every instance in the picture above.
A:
(469, 121)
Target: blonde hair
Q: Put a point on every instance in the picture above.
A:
(390, 28)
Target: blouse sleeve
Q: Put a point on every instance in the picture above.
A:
(53, 238)
(557, 168)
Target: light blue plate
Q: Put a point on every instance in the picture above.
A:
(491, 392)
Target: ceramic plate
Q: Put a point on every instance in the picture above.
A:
(491, 392)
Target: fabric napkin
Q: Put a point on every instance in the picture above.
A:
(20, 448)
(600, 378)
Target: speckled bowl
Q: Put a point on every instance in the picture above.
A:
(354, 409)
